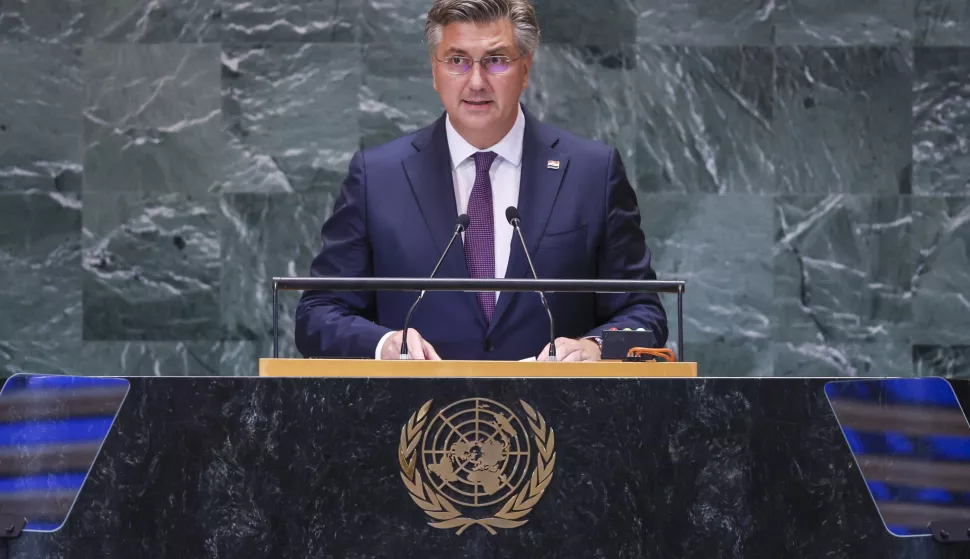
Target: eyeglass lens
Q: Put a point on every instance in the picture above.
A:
(492, 64)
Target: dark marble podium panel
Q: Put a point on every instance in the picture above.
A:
(678, 468)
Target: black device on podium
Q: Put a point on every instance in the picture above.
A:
(618, 343)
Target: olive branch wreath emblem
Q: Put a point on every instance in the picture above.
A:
(515, 508)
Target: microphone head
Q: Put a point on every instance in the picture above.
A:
(511, 213)
(462, 222)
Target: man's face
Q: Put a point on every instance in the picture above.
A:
(482, 105)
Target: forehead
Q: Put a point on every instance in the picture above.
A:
(478, 37)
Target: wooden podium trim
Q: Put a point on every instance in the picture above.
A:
(369, 368)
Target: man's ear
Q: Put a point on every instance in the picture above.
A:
(527, 61)
(434, 78)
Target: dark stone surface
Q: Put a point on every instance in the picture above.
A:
(153, 21)
(941, 119)
(308, 467)
(578, 22)
(942, 22)
(42, 21)
(396, 95)
(704, 120)
(849, 299)
(844, 120)
(40, 274)
(151, 267)
(724, 245)
(706, 22)
(289, 113)
(836, 22)
(943, 361)
(41, 97)
(396, 23)
(151, 118)
(266, 235)
(271, 20)
(941, 278)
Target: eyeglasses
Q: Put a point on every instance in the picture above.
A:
(457, 65)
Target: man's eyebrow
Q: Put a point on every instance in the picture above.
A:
(497, 49)
(494, 50)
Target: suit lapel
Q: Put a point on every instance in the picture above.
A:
(429, 173)
(539, 185)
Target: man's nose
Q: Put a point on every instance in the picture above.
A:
(476, 79)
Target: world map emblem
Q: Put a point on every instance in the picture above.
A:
(475, 462)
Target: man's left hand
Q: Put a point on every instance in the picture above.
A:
(568, 349)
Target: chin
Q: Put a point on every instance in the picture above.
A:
(477, 119)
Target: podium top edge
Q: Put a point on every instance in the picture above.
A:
(369, 368)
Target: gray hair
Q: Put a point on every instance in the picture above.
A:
(520, 12)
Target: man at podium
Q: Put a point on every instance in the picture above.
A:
(399, 205)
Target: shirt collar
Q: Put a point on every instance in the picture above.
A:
(508, 148)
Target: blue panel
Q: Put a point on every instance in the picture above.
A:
(938, 496)
(47, 482)
(57, 431)
(933, 443)
(919, 392)
(54, 416)
(924, 392)
(950, 448)
(60, 382)
(860, 443)
(880, 491)
(934, 448)
(899, 444)
(887, 492)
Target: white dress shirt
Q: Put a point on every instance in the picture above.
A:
(504, 173)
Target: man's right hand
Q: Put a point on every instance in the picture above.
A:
(418, 347)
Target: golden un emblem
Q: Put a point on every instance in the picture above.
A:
(473, 463)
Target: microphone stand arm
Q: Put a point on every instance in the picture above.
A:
(407, 320)
(542, 296)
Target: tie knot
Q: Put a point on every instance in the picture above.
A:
(484, 160)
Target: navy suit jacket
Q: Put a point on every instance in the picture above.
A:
(396, 212)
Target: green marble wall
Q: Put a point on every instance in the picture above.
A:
(803, 164)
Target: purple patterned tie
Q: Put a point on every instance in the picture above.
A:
(480, 235)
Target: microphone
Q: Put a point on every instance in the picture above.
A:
(512, 215)
(461, 224)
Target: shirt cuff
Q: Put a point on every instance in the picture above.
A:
(380, 345)
(597, 339)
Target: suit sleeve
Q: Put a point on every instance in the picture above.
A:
(341, 323)
(624, 254)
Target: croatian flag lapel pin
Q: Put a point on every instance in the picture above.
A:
(552, 164)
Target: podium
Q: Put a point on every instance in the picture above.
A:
(319, 458)
(479, 459)
(364, 368)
